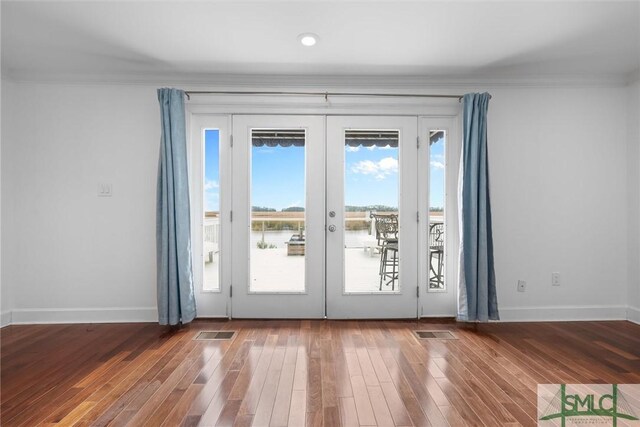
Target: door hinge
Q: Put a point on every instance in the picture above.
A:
(418, 141)
(418, 291)
(418, 216)
(230, 291)
(230, 216)
(231, 140)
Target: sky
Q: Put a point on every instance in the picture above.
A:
(278, 175)
(436, 179)
(212, 170)
(371, 176)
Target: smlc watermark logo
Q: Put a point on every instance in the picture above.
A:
(564, 405)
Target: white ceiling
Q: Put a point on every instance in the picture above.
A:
(473, 38)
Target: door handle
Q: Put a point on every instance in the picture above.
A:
(332, 228)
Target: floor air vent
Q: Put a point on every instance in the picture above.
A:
(437, 335)
(214, 335)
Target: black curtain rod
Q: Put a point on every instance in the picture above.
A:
(324, 94)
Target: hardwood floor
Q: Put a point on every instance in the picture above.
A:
(302, 372)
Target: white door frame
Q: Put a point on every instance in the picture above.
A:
(424, 108)
(311, 302)
(404, 302)
(439, 303)
(210, 303)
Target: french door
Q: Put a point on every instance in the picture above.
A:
(314, 216)
(371, 217)
(278, 230)
(307, 215)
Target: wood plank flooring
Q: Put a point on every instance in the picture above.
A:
(302, 373)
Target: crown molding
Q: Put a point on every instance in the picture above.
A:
(324, 82)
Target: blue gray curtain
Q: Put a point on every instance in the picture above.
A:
(176, 301)
(477, 300)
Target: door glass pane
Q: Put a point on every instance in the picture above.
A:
(277, 251)
(211, 232)
(371, 211)
(437, 141)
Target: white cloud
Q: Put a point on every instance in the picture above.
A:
(211, 195)
(211, 201)
(389, 164)
(351, 149)
(437, 165)
(210, 185)
(383, 147)
(380, 169)
(365, 167)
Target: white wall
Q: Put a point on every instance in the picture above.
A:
(65, 250)
(558, 162)
(558, 187)
(633, 166)
(5, 298)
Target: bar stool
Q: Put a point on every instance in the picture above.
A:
(387, 236)
(436, 250)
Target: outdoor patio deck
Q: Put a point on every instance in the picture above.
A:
(274, 271)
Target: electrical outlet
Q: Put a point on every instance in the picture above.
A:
(522, 286)
(555, 279)
(105, 190)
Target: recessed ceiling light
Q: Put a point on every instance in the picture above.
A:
(308, 39)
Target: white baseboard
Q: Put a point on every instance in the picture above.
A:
(150, 314)
(5, 319)
(439, 316)
(633, 314)
(83, 315)
(563, 313)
